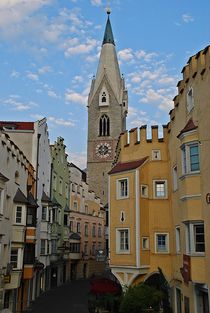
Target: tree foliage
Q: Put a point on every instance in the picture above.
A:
(139, 298)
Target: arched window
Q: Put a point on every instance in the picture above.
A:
(104, 126)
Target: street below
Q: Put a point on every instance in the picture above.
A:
(68, 298)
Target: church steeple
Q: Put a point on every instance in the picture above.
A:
(108, 35)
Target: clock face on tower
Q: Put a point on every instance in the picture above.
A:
(103, 150)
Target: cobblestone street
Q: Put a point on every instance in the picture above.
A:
(69, 298)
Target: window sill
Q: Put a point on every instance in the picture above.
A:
(162, 252)
(197, 254)
(123, 252)
(195, 173)
(122, 198)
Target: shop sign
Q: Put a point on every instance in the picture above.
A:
(186, 269)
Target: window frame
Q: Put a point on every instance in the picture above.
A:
(20, 217)
(178, 239)
(146, 193)
(146, 238)
(1, 201)
(119, 232)
(167, 250)
(190, 99)
(165, 183)
(119, 190)
(175, 177)
(186, 158)
(190, 238)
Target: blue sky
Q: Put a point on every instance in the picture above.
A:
(49, 52)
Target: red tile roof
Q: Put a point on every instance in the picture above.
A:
(127, 166)
(188, 127)
(17, 125)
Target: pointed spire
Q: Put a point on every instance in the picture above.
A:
(108, 35)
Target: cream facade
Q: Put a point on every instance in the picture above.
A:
(87, 228)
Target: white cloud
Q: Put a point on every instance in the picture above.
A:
(146, 56)
(15, 74)
(126, 54)
(81, 48)
(187, 18)
(16, 105)
(45, 69)
(60, 121)
(75, 97)
(32, 76)
(96, 2)
(52, 94)
(79, 159)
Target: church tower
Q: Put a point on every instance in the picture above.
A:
(107, 111)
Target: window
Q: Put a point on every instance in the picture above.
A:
(175, 178)
(86, 209)
(14, 258)
(75, 205)
(190, 100)
(42, 247)
(1, 200)
(122, 188)
(75, 247)
(73, 187)
(86, 249)
(145, 243)
(54, 182)
(66, 190)
(122, 238)
(65, 220)
(60, 186)
(93, 249)
(103, 98)
(44, 213)
(144, 191)
(86, 230)
(94, 231)
(195, 238)
(156, 155)
(17, 178)
(78, 189)
(18, 216)
(71, 226)
(162, 243)
(178, 239)
(78, 227)
(99, 231)
(160, 189)
(31, 217)
(53, 246)
(190, 158)
(104, 126)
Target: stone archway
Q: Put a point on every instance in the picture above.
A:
(158, 281)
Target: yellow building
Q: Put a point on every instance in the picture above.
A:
(159, 197)
(141, 227)
(189, 147)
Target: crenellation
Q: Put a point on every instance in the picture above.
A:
(143, 133)
(133, 135)
(186, 73)
(181, 85)
(154, 132)
(193, 66)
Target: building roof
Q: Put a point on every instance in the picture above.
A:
(17, 125)
(188, 127)
(4, 178)
(45, 198)
(127, 166)
(32, 202)
(20, 197)
(108, 35)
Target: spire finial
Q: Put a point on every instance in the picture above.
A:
(108, 8)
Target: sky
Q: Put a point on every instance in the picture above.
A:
(49, 51)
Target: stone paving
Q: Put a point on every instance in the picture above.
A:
(69, 298)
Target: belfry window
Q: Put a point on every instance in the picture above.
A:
(104, 126)
(103, 98)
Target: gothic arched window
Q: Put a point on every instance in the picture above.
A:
(104, 126)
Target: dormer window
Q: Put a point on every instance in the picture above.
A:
(104, 97)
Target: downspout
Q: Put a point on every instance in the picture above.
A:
(137, 219)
